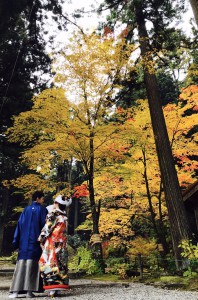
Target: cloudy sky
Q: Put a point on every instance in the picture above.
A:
(90, 19)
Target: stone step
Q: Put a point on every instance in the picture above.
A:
(9, 272)
(6, 272)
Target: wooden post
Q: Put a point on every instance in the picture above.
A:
(140, 265)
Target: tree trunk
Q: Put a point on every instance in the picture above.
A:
(4, 212)
(194, 5)
(70, 186)
(159, 232)
(95, 242)
(161, 225)
(91, 188)
(1, 232)
(75, 216)
(179, 226)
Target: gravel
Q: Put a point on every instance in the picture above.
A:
(94, 290)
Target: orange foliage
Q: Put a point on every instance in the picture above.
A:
(191, 95)
(189, 91)
(181, 124)
(124, 33)
(108, 31)
(81, 191)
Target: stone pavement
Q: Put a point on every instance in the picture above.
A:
(6, 272)
(83, 289)
(79, 288)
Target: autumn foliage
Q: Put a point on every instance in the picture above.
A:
(81, 191)
(116, 146)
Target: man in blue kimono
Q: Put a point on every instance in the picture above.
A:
(26, 276)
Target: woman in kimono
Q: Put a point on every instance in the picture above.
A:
(26, 277)
(54, 258)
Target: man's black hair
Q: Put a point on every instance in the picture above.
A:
(37, 194)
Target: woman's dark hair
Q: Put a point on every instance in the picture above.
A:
(37, 194)
(61, 206)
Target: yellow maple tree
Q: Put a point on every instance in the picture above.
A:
(73, 120)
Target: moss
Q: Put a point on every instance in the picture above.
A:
(170, 282)
(174, 279)
(104, 277)
(174, 282)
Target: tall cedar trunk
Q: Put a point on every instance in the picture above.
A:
(194, 5)
(96, 246)
(177, 216)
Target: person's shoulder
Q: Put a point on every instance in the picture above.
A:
(27, 210)
(44, 208)
(29, 206)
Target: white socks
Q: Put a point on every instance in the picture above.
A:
(30, 295)
(13, 295)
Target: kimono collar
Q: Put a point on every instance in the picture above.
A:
(61, 211)
(35, 203)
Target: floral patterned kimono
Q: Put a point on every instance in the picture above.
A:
(54, 258)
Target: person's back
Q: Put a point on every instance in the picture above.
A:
(25, 240)
(53, 237)
(28, 229)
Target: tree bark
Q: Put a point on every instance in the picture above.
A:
(161, 239)
(75, 216)
(194, 5)
(91, 186)
(5, 196)
(179, 226)
(96, 244)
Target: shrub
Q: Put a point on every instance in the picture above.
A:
(75, 241)
(13, 257)
(120, 266)
(84, 262)
(189, 250)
